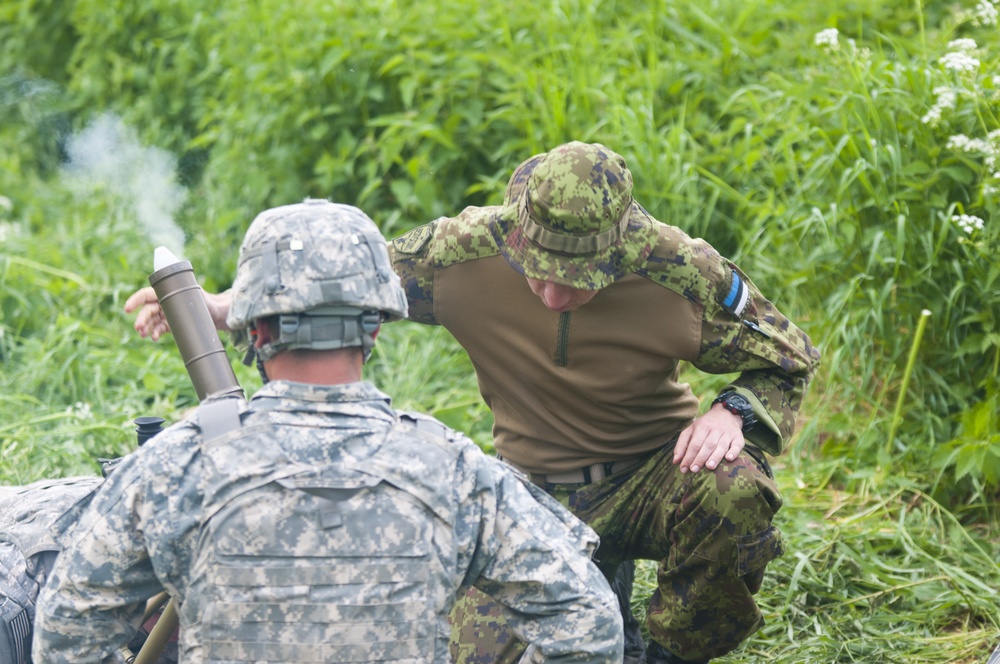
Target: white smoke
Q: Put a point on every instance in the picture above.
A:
(109, 155)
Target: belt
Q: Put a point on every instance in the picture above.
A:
(586, 475)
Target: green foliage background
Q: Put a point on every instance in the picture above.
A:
(830, 170)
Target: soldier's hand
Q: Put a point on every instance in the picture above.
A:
(716, 435)
(150, 321)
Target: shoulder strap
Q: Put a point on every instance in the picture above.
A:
(424, 424)
(219, 417)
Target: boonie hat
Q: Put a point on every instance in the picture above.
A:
(569, 218)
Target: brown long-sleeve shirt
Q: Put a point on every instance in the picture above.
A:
(601, 383)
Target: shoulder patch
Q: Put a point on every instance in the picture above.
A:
(734, 300)
(413, 242)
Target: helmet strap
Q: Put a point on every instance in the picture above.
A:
(260, 369)
(253, 357)
(329, 328)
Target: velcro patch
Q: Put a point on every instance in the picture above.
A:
(413, 242)
(735, 300)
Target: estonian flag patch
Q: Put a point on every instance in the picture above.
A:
(736, 299)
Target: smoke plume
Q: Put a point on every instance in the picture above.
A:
(108, 155)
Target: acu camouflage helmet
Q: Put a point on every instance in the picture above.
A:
(569, 218)
(320, 263)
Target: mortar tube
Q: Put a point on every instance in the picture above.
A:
(194, 330)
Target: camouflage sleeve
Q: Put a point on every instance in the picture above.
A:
(744, 332)
(445, 241)
(413, 263)
(534, 560)
(94, 600)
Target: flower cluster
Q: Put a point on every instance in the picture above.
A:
(984, 14)
(828, 39)
(964, 45)
(989, 147)
(968, 223)
(80, 411)
(945, 100)
(960, 62)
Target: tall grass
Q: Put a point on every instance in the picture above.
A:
(841, 152)
(871, 577)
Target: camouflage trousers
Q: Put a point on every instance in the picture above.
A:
(710, 531)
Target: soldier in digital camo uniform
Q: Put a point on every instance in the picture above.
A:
(316, 523)
(577, 308)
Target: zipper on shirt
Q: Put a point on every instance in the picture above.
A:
(562, 340)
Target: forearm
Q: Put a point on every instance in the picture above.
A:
(94, 598)
(584, 629)
(79, 632)
(550, 592)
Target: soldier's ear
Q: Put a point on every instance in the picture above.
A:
(260, 332)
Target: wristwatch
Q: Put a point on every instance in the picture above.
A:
(738, 405)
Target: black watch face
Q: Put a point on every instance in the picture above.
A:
(736, 401)
(740, 405)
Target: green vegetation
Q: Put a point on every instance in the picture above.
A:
(844, 153)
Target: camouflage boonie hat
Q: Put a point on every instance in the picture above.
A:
(313, 255)
(569, 218)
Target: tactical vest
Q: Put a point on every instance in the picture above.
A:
(331, 564)
(27, 551)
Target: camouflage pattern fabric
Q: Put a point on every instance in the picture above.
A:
(602, 383)
(402, 506)
(315, 254)
(774, 358)
(711, 532)
(569, 218)
(27, 551)
(479, 633)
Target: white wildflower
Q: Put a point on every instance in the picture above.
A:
(959, 62)
(985, 14)
(968, 223)
(828, 39)
(946, 98)
(963, 45)
(865, 55)
(963, 143)
(988, 148)
(81, 411)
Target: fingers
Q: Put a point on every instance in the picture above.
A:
(728, 451)
(150, 321)
(701, 446)
(140, 298)
(680, 449)
(697, 456)
(710, 452)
